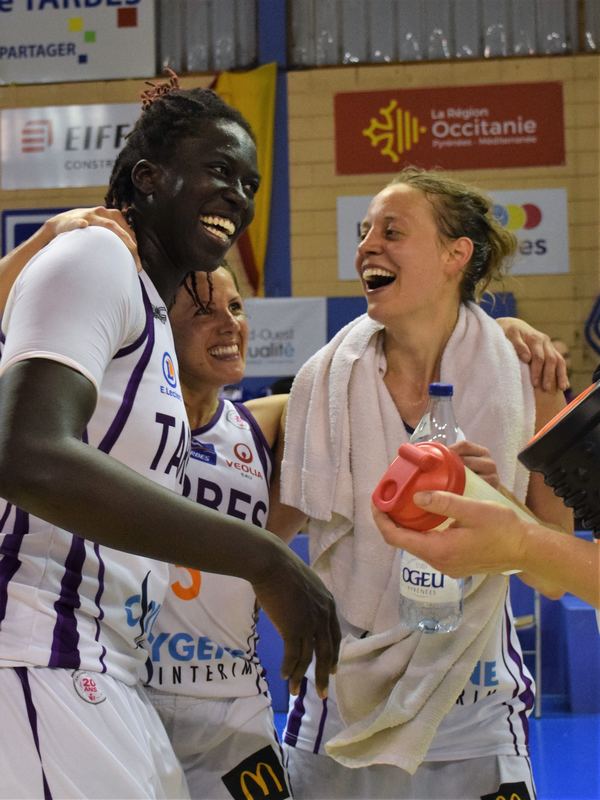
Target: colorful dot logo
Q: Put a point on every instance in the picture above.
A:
(169, 370)
(516, 218)
(126, 18)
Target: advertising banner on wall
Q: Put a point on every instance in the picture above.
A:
(20, 224)
(467, 127)
(284, 332)
(61, 146)
(537, 217)
(51, 41)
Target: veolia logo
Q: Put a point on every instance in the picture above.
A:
(516, 218)
(243, 453)
(169, 370)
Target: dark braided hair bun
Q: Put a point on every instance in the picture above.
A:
(169, 114)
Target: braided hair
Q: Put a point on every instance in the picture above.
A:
(190, 285)
(169, 114)
(461, 210)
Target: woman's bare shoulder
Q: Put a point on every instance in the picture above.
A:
(268, 412)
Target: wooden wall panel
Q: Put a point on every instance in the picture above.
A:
(557, 304)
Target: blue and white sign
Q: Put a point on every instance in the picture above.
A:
(350, 213)
(539, 220)
(20, 224)
(284, 333)
(537, 217)
(62, 146)
(53, 41)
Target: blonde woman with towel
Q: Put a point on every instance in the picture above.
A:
(412, 715)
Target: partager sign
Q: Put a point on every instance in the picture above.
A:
(537, 217)
(61, 146)
(467, 127)
(44, 41)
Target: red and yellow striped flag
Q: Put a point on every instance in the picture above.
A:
(253, 94)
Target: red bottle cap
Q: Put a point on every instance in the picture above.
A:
(418, 467)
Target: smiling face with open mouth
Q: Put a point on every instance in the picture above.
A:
(211, 347)
(401, 260)
(203, 197)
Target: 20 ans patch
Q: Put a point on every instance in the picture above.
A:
(87, 687)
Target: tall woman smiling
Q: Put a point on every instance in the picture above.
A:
(94, 441)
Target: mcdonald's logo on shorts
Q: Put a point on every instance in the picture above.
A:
(258, 776)
(509, 791)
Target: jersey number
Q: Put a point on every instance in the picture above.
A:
(188, 591)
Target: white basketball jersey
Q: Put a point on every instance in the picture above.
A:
(64, 601)
(204, 641)
(490, 716)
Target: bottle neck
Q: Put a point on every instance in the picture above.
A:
(438, 423)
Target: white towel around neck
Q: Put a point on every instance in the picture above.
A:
(343, 430)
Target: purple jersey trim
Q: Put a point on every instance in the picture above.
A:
(253, 635)
(252, 656)
(5, 516)
(9, 550)
(294, 720)
(115, 431)
(131, 348)
(133, 384)
(144, 609)
(510, 707)
(32, 717)
(262, 446)
(65, 638)
(280, 751)
(97, 600)
(212, 421)
(319, 738)
(526, 696)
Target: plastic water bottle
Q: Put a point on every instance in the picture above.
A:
(438, 423)
(429, 600)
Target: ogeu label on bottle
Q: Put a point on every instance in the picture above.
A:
(418, 581)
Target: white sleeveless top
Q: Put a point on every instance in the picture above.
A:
(66, 602)
(204, 641)
(490, 716)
